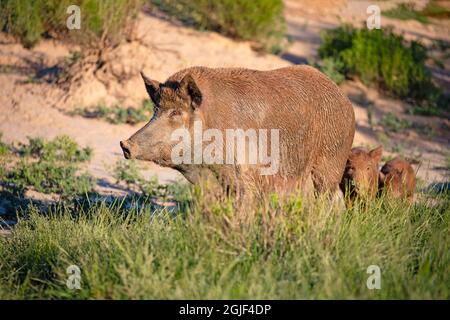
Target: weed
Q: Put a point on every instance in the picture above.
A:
(118, 115)
(392, 123)
(407, 11)
(48, 167)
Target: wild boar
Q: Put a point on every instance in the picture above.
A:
(360, 177)
(397, 179)
(313, 119)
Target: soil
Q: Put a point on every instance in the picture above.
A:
(33, 104)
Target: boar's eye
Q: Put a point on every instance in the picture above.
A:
(174, 113)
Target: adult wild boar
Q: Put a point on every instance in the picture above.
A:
(314, 120)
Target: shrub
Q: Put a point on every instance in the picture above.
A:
(382, 58)
(259, 20)
(103, 22)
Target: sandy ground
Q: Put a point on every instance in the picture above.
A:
(31, 104)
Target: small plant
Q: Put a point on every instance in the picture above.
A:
(128, 172)
(49, 167)
(4, 148)
(392, 123)
(332, 68)
(118, 115)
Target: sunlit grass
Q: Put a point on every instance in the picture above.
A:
(271, 250)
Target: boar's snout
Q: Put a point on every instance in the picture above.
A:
(127, 148)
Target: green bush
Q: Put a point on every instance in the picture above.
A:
(103, 22)
(382, 58)
(259, 20)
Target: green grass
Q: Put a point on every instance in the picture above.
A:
(393, 123)
(117, 114)
(407, 11)
(293, 250)
(258, 20)
(46, 167)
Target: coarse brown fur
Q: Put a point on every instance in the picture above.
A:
(398, 179)
(360, 177)
(315, 119)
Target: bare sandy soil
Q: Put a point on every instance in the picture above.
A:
(31, 104)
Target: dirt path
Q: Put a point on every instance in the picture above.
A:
(30, 104)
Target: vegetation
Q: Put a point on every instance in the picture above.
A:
(211, 247)
(117, 114)
(384, 59)
(258, 20)
(407, 11)
(332, 68)
(103, 22)
(47, 167)
(274, 249)
(391, 122)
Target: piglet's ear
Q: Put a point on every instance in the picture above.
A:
(376, 153)
(189, 88)
(152, 86)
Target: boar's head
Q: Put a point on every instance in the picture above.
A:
(361, 172)
(175, 106)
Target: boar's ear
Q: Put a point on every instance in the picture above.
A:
(151, 86)
(189, 87)
(376, 153)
